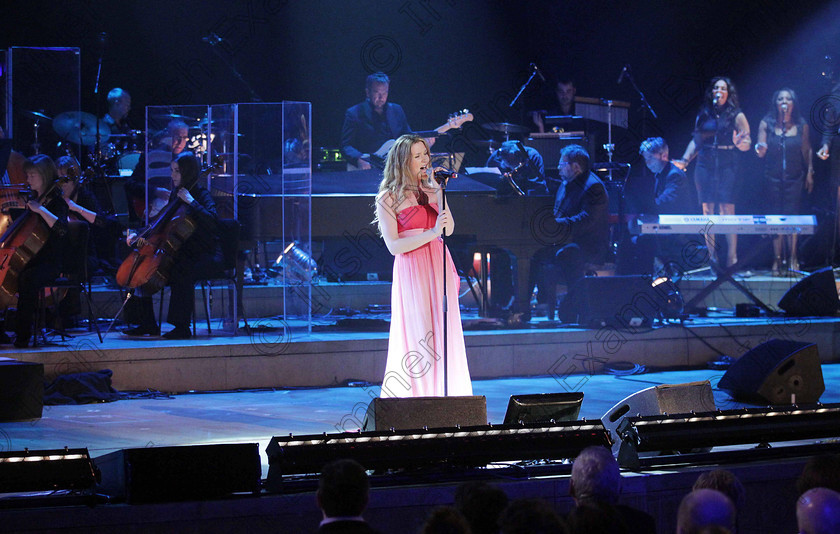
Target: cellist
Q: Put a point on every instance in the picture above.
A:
(46, 265)
(199, 257)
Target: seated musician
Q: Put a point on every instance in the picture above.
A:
(582, 234)
(172, 144)
(199, 257)
(521, 164)
(559, 101)
(371, 123)
(119, 104)
(45, 265)
(83, 206)
(672, 194)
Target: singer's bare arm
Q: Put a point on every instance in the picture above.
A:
(808, 156)
(450, 222)
(761, 144)
(688, 155)
(741, 136)
(386, 212)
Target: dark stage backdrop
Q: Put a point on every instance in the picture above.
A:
(442, 55)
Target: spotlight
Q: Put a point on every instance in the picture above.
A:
(295, 263)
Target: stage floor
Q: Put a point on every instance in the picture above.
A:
(157, 420)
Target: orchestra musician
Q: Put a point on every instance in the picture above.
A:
(524, 167)
(720, 131)
(82, 205)
(47, 205)
(198, 257)
(561, 101)
(368, 125)
(581, 211)
(173, 143)
(784, 143)
(119, 104)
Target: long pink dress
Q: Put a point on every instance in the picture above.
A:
(415, 346)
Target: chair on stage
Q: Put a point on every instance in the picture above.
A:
(74, 277)
(230, 272)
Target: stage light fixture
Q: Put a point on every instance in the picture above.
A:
(747, 426)
(46, 470)
(464, 447)
(295, 263)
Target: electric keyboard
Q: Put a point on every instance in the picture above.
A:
(729, 224)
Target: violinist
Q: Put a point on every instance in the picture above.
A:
(46, 204)
(83, 206)
(198, 257)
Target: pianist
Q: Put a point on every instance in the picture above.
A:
(582, 234)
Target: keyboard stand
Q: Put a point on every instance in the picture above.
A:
(725, 275)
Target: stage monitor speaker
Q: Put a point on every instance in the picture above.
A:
(428, 412)
(814, 295)
(543, 407)
(660, 400)
(21, 390)
(778, 371)
(617, 301)
(166, 474)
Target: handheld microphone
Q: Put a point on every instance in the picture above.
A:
(716, 100)
(784, 107)
(623, 73)
(442, 175)
(537, 70)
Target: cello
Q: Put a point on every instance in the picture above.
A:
(148, 265)
(21, 242)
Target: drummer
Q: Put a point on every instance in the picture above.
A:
(119, 104)
(172, 144)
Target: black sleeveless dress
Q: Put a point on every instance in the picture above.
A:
(784, 170)
(717, 157)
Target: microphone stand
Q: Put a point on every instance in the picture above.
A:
(214, 40)
(445, 303)
(522, 89)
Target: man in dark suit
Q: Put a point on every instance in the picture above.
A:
(672, 194)
(581, 234)
(371, 123)
(342, 497)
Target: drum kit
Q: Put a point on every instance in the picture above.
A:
(119, 152)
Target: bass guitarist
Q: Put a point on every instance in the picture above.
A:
(368, 125)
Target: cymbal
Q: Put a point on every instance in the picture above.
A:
(505, 127)
(172, 116)
(36, 114)
(80, 128)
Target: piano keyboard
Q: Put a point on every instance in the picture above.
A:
(730, 224)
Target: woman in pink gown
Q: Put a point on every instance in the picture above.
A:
(411, 223)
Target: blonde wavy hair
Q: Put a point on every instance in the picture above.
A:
(396, 178)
